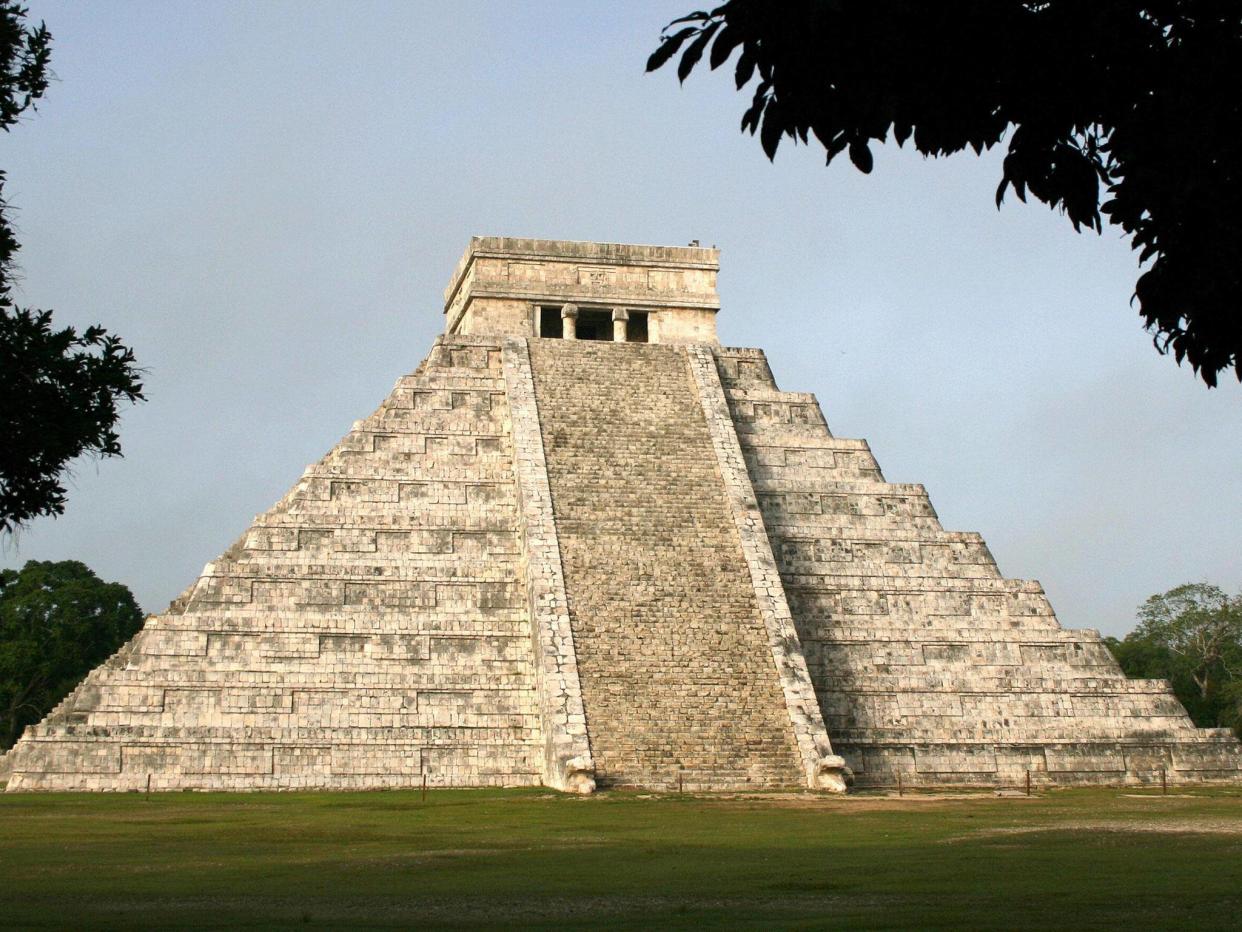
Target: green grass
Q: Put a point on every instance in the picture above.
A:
(1082, 859)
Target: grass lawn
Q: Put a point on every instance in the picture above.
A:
(1082, 858)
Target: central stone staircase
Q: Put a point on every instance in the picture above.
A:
(677, 675)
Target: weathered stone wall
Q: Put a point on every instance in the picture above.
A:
(501, 280)
(368, 631)
(677, 675)
(930, 667)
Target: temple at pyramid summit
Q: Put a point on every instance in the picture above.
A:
(583, 545)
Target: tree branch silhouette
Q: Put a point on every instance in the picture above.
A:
(1120, 109)
(61, 389)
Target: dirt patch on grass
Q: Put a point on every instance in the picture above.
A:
(1137, 826)
(850, 804)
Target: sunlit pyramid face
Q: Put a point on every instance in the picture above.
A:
(583, 545)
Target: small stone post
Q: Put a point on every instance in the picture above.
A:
(569, 314)
(620, 317)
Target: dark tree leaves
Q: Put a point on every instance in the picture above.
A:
(59, 389)
(59, 401)
(723, 47)
(770, 133)
(860, 155)
(58, 621)
(24, 56)
(745, 68)
(1125, 110)
(690, 57)
(668, 48)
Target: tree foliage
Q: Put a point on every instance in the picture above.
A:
(24, 57)
(61, 389)
(58, 621)
(1191, 636)
(1200, 624)
(1126, 109)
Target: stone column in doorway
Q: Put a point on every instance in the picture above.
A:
(620, 317)
(569, 314)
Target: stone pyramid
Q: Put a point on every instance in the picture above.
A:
(585, 545)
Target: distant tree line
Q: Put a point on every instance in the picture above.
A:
(1191, 636)
(58, 621)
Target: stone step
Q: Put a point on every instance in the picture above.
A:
(956, 635)
(778, 433)
(945, 708)
(808, 525)
(760, 446)
(944, 629)
(902, 533)
(401, 433)
(845, 507)
(463, 565)
(284, 544)
(416, 468)
(880, 585)
(425, 504)
(996, 660)
(322, 675)
(779, 477)
(812, 487)
(441, 517)
(436, 378)
(364, 440)
(760, 395)
(890, 569)
(326, 619)
(997, 681)
(1038, 732)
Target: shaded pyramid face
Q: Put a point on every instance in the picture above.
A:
(584, 545)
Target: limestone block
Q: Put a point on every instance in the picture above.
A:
(64, 757)
(400, 595)
(303, 760)
(1207, 756)
(172, 643)
(433, 493)
(193, 707)
(744, 372)
(290, 644)
(1150, 759)
(386, 760)
(954, 760)
(271, 538)
(256, 700)
(221, 590)
(1085, 758)
(295, 593)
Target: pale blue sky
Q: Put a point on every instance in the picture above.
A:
(266, 200)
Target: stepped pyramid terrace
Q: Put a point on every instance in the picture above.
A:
(584, 545)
